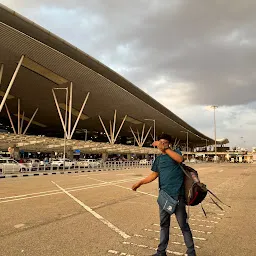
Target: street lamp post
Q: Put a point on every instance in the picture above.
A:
(214, 107)
(85, 134)
(154, 132)
(66, 114)
(187, 142)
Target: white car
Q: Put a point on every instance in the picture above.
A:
(89, 163)
(93, 163)
(59, 163)
(144, 161)
(193, 160)
(8, 165)
(82, 163)
(32, 164)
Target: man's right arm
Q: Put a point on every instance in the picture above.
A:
(151, 177)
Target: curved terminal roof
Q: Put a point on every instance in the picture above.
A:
(52, 62)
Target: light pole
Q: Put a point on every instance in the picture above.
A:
(154, 132)
(187, 142)
(214, 107)
(85, 134)
(66, 114)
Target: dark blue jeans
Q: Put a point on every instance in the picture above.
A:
(181, 216)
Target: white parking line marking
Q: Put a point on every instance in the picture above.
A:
(157, 239)
(95, 214)
(56, 190)
(141, 192)
(112, 251)
(209, 221)
(19, 225)
(128, 188)
(197, 231)
(38, 193)
(151, 248)
(157, 231)
(200, 225)
(104, 182)
(191, 224)
(29, 197)
(217, 218)
(69, 189)
(121, 253)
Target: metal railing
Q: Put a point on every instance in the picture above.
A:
(74, 166)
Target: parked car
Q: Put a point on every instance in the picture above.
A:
(59, 163)
(82, 163)
(93, 163)
(44, 165)
(32, 164)
(8, 165)
(144, 161)
(89, 163)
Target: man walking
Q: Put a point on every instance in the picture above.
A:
(166, 168)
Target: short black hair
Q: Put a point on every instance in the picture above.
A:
(165, 136)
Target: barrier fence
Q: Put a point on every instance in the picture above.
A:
(69, 166)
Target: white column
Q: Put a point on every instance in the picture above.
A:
(70, 109)
(22, 120)
(10, 118)
(1, 72)
(30, 121)
(114, 126)
(80, 113)
(119, 129)
(105, 130)
(11, 83)
(18, 116)
(58, 109)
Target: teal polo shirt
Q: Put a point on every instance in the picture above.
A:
(170, 175)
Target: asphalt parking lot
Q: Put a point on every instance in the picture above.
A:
(97, 214)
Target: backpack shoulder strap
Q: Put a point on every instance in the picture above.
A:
(185, 172)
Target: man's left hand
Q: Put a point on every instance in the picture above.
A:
(159, 145)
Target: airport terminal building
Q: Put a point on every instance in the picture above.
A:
(52, 93)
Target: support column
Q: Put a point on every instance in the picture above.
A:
(104, 156)
(129, 157)
(141, 139)
(1, 72)
(16, 153)
(11, 83)
(52, 155)
(70, 154)
(112, 136)
(68, 130)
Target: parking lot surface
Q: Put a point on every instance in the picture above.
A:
(97, 213)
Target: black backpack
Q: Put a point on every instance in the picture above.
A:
(195, 191)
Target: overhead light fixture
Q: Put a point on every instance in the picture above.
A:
(132, 120)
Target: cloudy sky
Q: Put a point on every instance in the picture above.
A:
(186, 54)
